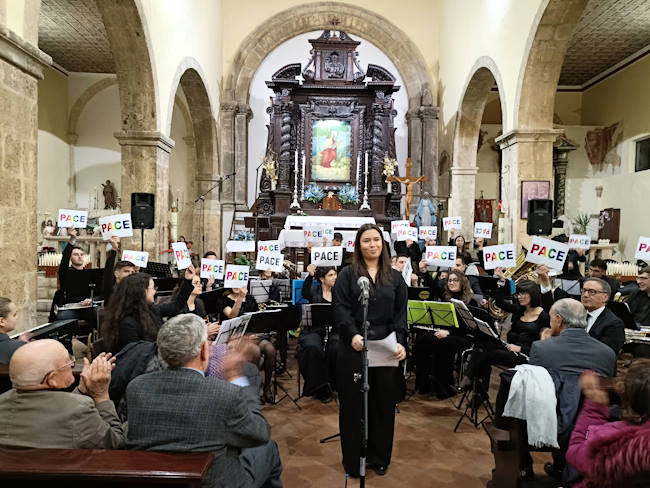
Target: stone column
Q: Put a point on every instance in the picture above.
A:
(21, 66)
(561, 149)
(241, 153)
(227, 119)
(72, 185)
(429, 116)
(527, 156)
(414, 126)
(145, 168)
(461, 202)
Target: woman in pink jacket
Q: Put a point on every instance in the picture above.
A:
(613, 454)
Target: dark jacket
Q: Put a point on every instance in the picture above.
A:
(311, 292)
(66, 277)
(609, 329)
(639, 303)
(108, 279)
(7, 347)
(414, 252)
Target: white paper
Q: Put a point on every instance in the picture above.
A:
(398, 224)
(139, 258)
(643, 249)
(273, 247)
(548, 252)
(212, 268)
(428, 232)
(444, 256)
(449, 223)
(116, 225)
(327, 256)
(408, 271)
(236, 276)
(501, 256)
(228, 328)
(269, 260)
(483, 229)
(182, 255)
(240, 246)
(382, 352)
(404, 233)
(72, 218)
(313, 233)
(579, 241)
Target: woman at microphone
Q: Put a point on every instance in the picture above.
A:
(386, 314)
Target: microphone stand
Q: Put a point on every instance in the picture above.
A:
(364, 389)
(201, 199)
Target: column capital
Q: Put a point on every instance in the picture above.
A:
(189, 140)
(229, 107)
(72, 138)
(428, 112)
(144, 138)
(527, 135)
(21, 54)
(462, 170)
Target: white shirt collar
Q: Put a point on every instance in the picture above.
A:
(593, 316)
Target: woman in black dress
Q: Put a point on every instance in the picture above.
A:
(528, 320)
(314, 362)
(386, 314)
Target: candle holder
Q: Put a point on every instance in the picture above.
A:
(365, 205)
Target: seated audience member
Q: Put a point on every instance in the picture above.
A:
(37, 412)
(409, 248)
(316, 365)
(131, 314)
(434, 352)
(238, 303)
(598, 269)
(639, 301)
(602, 323)
(613, 453)
(179, 409)
(528, 320)
(8, 314)
(337, 240)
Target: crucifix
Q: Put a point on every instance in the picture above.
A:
(409, 181)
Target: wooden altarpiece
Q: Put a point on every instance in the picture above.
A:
(334, 117)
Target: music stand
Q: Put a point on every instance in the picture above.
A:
(61, 330)
(259, 290)
(622, 311)
(419, 293)
(296, 292)
(284, 284)
(232, 329)
(158, 270)
(212, 301)
(82, 281)
(571, 287)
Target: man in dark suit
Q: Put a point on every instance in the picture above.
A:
(602, 323)
(179, 409)
(598, 269)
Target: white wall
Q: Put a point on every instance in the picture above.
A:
(297, 50)
(487, 160)
(182, 173)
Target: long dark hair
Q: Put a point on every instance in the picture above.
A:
(532, 288)
(465, 294)
(384, 270)
(128, 300)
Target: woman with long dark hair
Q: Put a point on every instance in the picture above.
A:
(434, 352)
(131, 314)
(386, 314)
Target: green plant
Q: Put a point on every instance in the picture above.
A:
(580, 222)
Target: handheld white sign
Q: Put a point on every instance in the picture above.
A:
(397, 224)
(313, 233)
(427, 232)
(444, 256)
(116, 225)
(327, 256)
(548, 252)
(483, 229)
(579, 241)
(408, 271)
(267, 260)
(72, 218)
(449, 223)
(240, 246)
(212, 268)
(404, 233)
(272, 247)
(643, 249)
(328, 232)
(182, 255)
(236, 276)
(139, 258)
(502, 256)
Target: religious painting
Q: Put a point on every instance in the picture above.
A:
(533, 190)
(602, 147)
(331, 150)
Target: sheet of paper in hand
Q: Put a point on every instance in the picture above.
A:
(72, 218)
(444, 256)
(449, 223)
(404, 233)
(116, 225)
(643, 249)
(548, 252)
(427, 232)
(327, 256)
(182, 255)
(314, 233)
(212, 268)
(398, 224)
(483, 229)
(501, 256)
(269, 260)
(579, 241)
(139, 258)
(236, 276)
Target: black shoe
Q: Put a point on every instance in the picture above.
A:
(380, 469)
(553, 472)
(280, 368)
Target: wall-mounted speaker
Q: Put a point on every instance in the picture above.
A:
(540, 217)
(143, 210)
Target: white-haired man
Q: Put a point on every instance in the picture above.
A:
(180, 409)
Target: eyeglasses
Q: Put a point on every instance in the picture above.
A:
(453, 280)
(66, 365)
(590, 291)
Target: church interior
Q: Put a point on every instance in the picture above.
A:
(247, 121)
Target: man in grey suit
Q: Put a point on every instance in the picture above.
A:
(179, 409)
(38, 412)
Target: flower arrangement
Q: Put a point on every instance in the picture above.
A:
(243, 235)
(314, 193)
(243, 261)
(389, 166)
(270, 166)
(348, 194)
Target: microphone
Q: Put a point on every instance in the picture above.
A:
(364, 284)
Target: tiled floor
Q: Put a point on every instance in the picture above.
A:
(426, 452)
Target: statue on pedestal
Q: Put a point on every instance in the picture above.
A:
(110, 195)
(426, 212)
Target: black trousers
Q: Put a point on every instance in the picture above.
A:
(382, 397)
(435, 361)
(489, 354)
(312, 362)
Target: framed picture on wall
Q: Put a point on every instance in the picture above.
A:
(533, 190)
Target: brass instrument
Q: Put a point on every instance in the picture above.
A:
(522, 270)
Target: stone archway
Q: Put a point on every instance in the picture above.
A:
(527, 151)
(422, 117)
(484, 75)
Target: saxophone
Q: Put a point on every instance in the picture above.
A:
(522, 270)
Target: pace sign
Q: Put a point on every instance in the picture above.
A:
(236, 276)
(548, 252)
(327, 256)
(502, 256)
(72, 218)
(444, 256)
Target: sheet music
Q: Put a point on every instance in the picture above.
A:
(381, 352)
(232, 328)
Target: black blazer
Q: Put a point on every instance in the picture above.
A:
(7, 347)
(609, 329)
